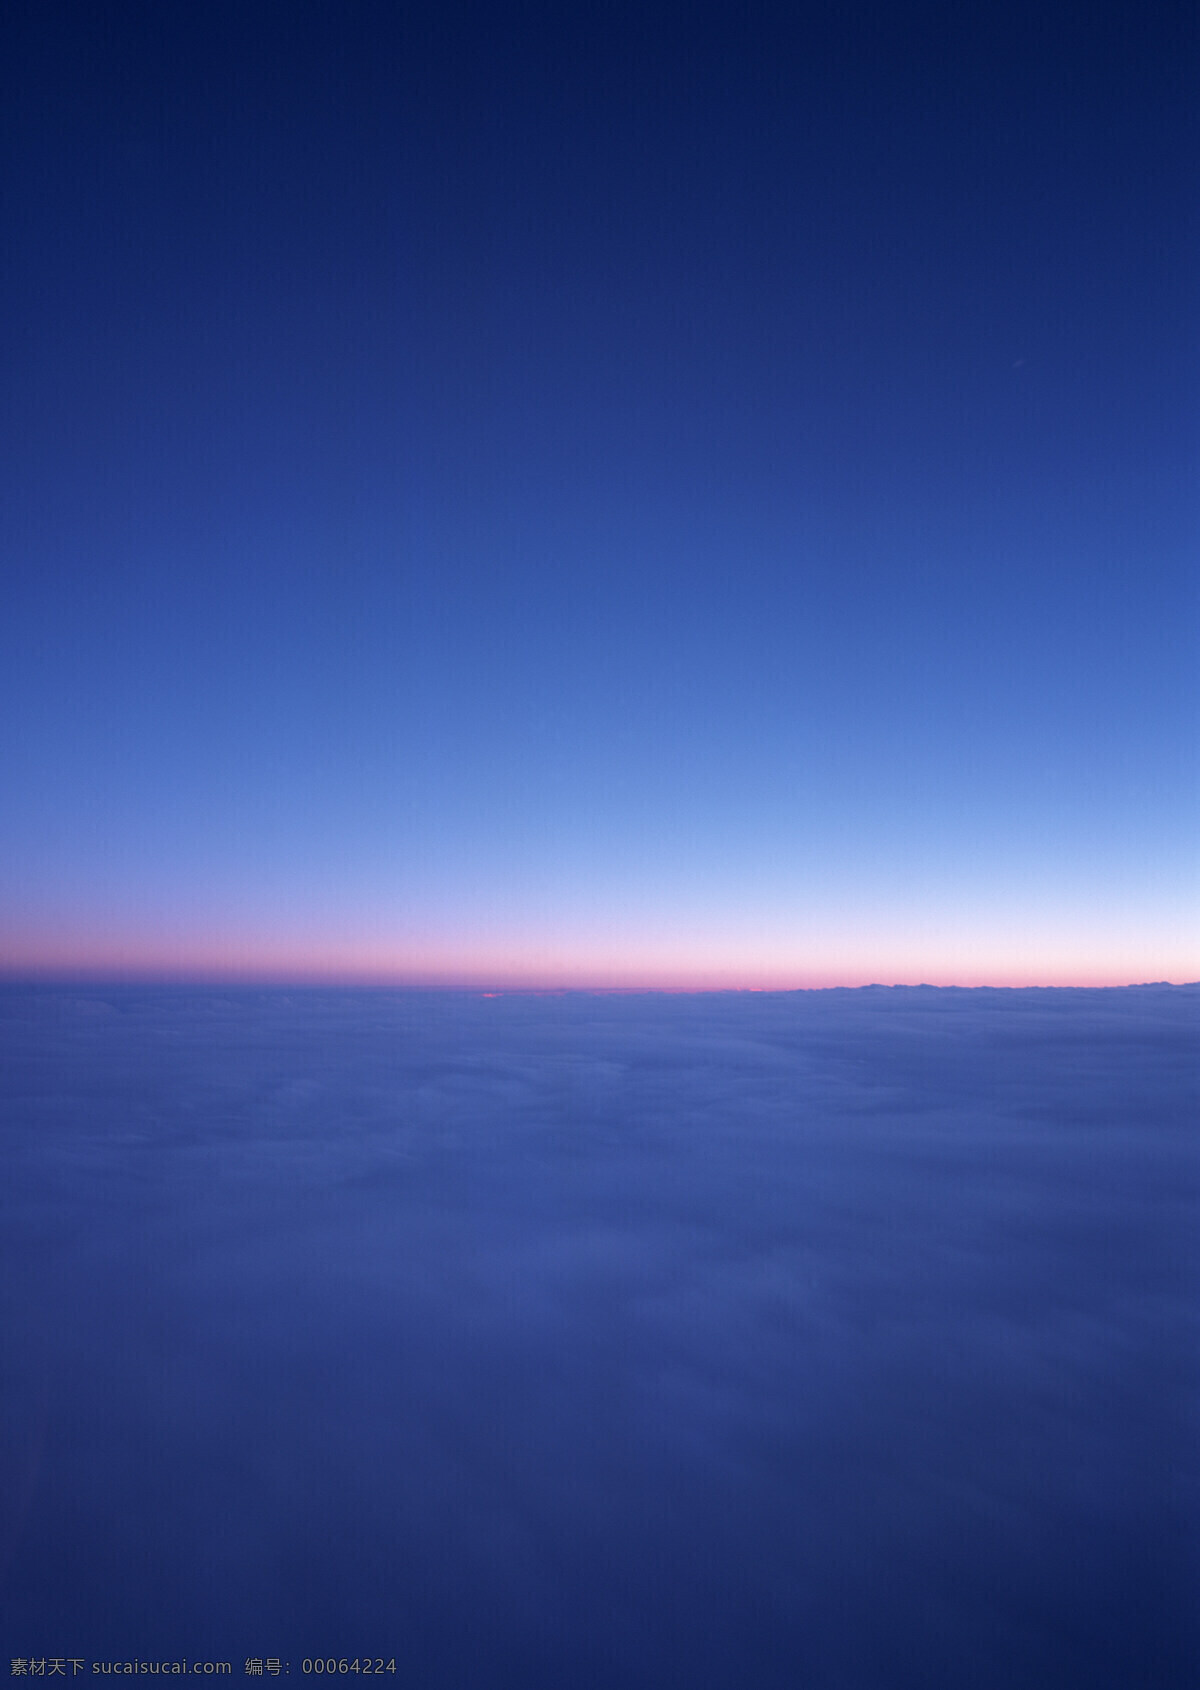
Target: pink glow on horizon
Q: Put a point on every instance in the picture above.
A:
(549, 968)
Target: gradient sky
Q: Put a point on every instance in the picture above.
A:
(600, 495)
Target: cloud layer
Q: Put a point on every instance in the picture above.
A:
(838, 1339)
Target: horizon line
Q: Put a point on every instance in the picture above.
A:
(482, 988)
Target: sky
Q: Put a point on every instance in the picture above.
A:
(618, 495)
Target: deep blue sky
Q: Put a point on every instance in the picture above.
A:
(601, 494)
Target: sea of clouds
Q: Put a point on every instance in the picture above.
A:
(824, 1340)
